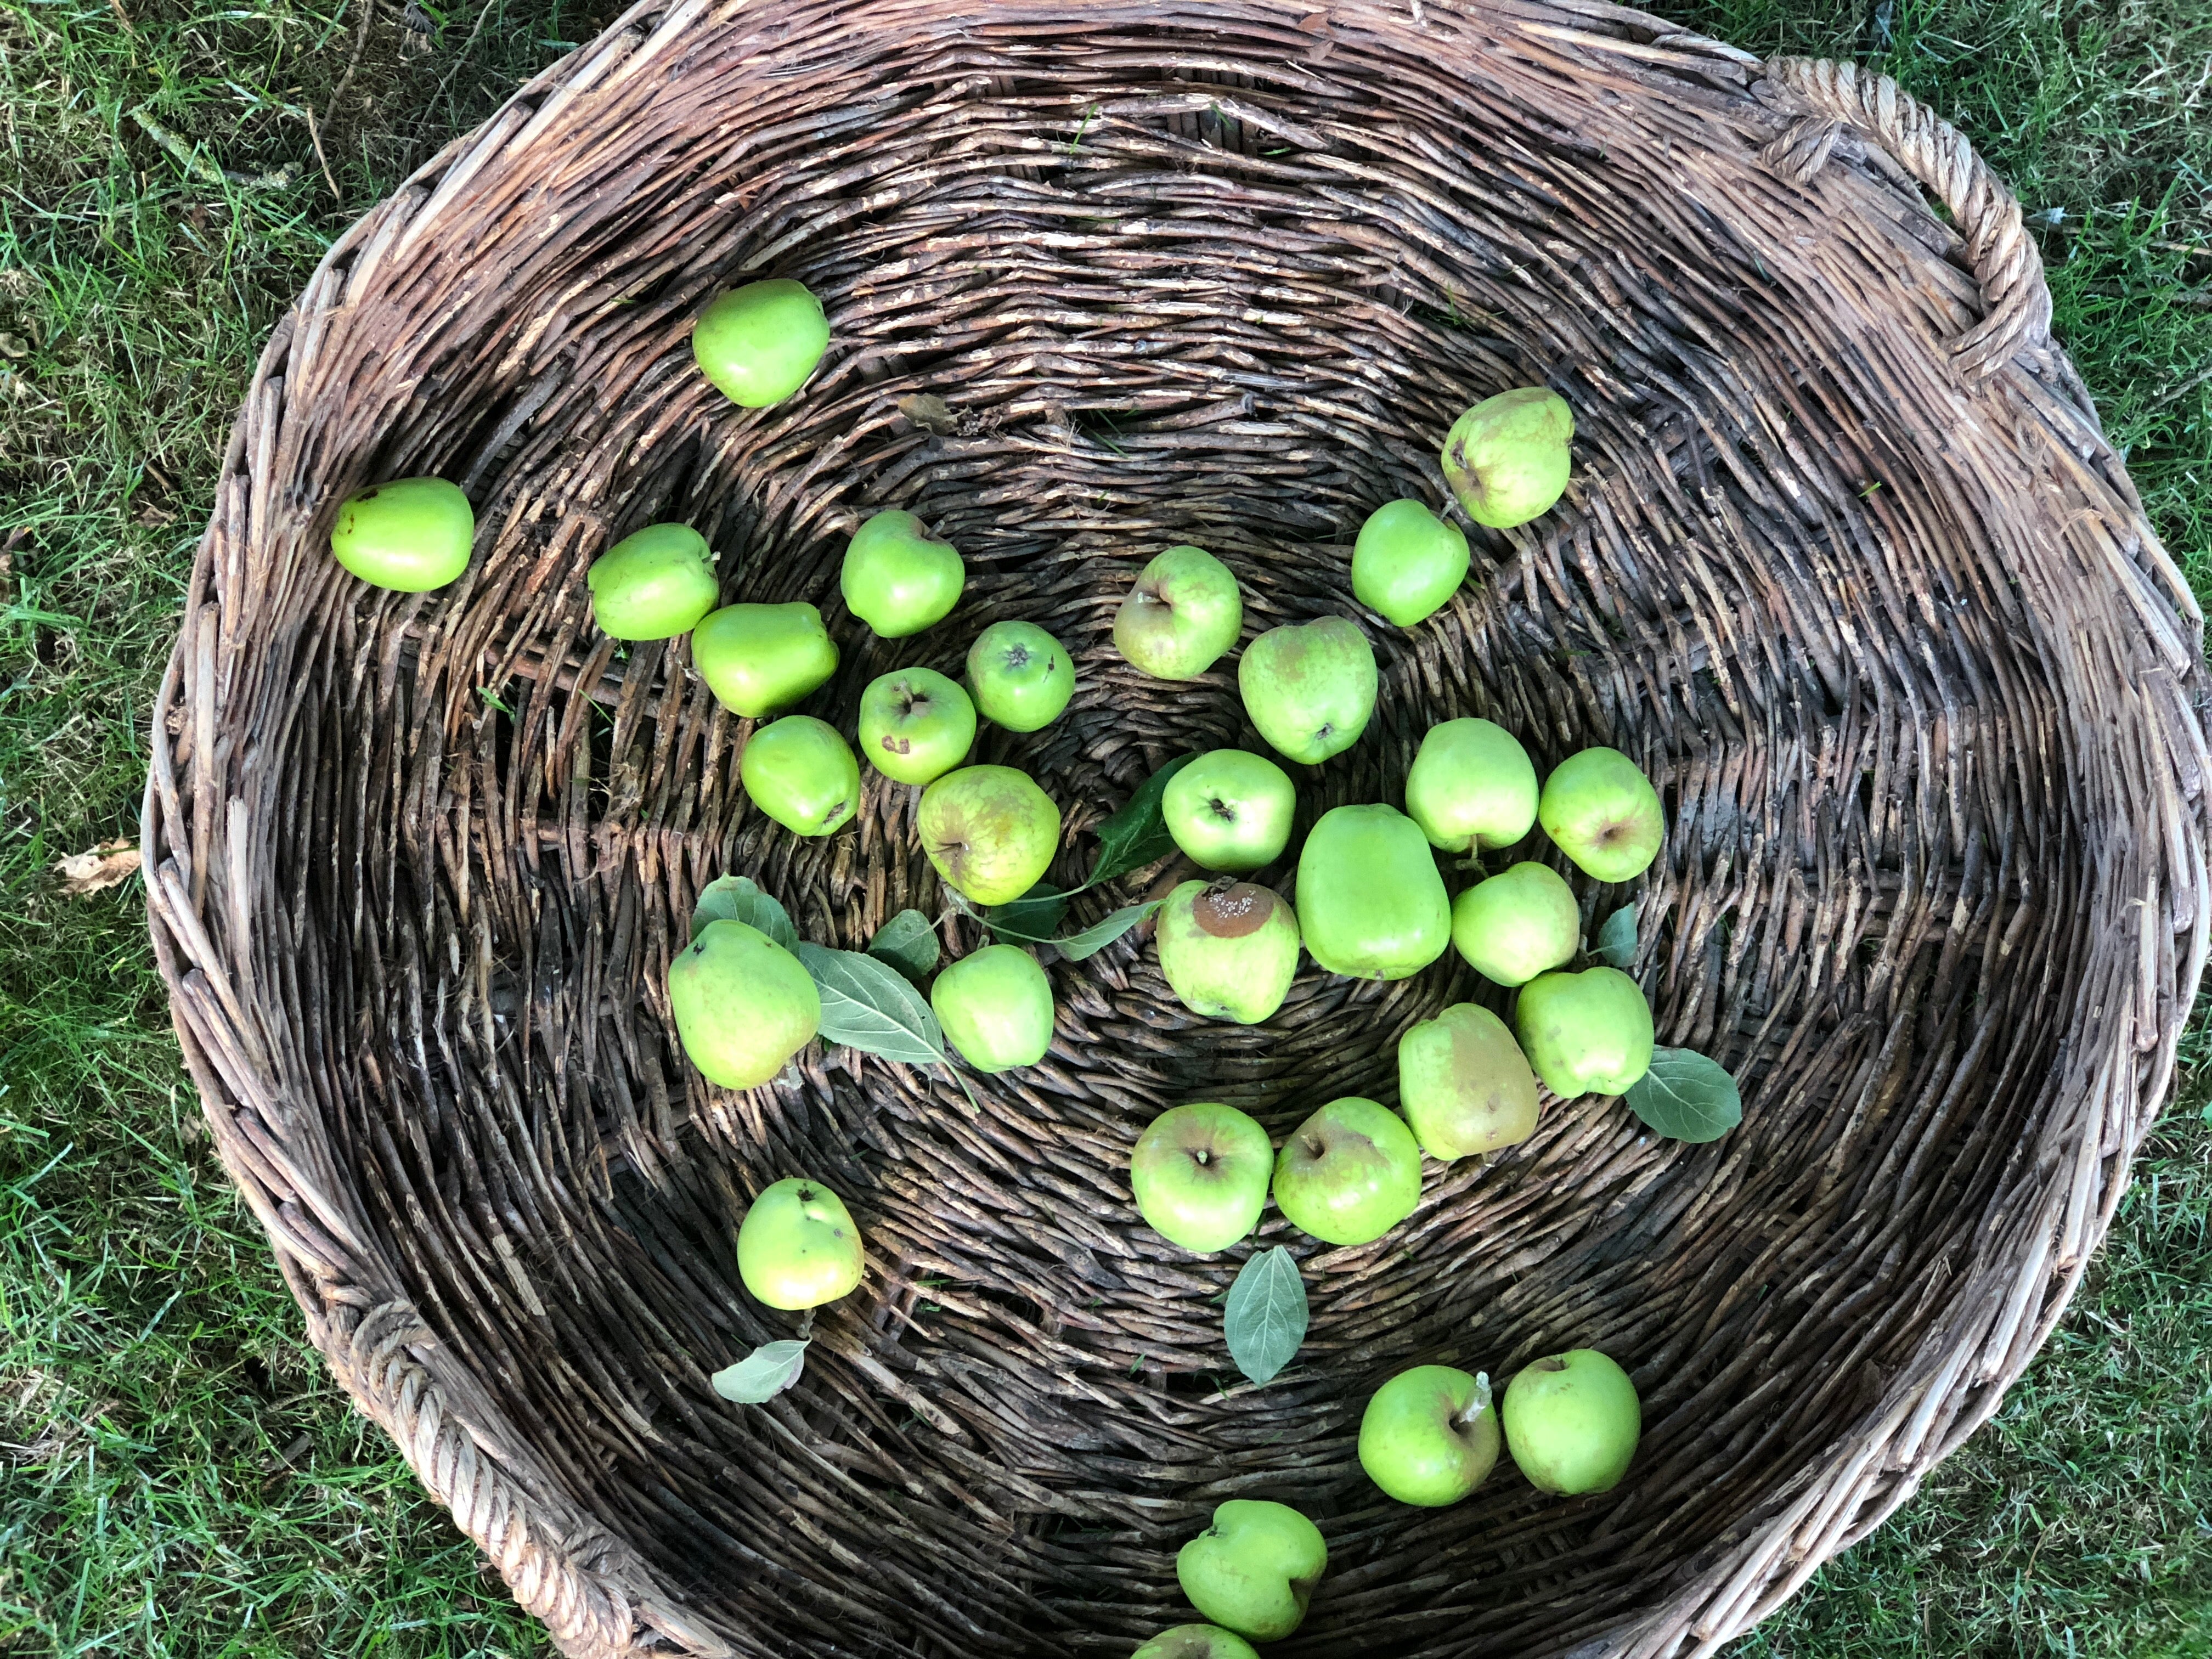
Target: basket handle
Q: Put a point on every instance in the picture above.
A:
(2017, 303)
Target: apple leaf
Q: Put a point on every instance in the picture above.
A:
(1030, 919)
(1136, 835)
(1616, 940)
(764, 1373)
(909, 943)
(1265, 1318)
(1686, 1097)
(1096, 937)
(738, 898)
(870, 1006)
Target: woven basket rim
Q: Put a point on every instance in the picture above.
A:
(596, 1596)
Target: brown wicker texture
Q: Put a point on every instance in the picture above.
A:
(1847, 563)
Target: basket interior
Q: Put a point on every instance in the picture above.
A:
(1226, 281)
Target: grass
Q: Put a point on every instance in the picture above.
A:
(178, 1475)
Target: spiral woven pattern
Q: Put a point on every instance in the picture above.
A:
(1883, 618)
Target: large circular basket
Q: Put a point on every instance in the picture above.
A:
(1846, 563)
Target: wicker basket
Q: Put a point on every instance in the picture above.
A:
(1847, 563)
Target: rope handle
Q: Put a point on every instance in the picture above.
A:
(2017, 303)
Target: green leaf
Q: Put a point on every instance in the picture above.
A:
(1096, 937)
(1265, 1318)
(1616, 940)
(1029, 920)
(764, 1373)
(1686, 1097)
(738, 898)
(870, 1006)
(909, 943)
(1136, 835)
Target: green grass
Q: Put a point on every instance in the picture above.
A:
(177, 1475)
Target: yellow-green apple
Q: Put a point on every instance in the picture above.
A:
(654, 584)
(1022, 677)
(1521, 922)
(1349, 1173)
(1310, 688)
(1507, 459)
(410, 534)
(1602, 811)
(996, 1005)
(1572, 1421)
(916, 724)
(744, 1005)
(1369, 901)
(1254, 1570)
(1200, 1175)
(1429, 1436)
(800, 773)
(1472, 785)
(1408, 562)
(990, 832)
(796, 1247)
(1230, 810)
(761, 659)
(759, 343)
(1182, 613)
(1196, 1641)
(898, 577)
(1586, 1033)
(1228, 948)
(1464, 1084)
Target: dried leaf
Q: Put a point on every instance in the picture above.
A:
(108, 865)
(14, 345)
(929, 411)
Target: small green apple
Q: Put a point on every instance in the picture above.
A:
(1573, 1422)
(1200, 1175)
(798, 771)
(1521, 922)
(1254, 1570)
(1471, 785)
(1021, 676)
(1602, 811)
(759, 343)
(898, 578)
(410, 534)
(1182, 613)
(1309, 688)
(743, 1004)
(1507, 459)
(916, 725)
(760, 658)
(1369, 901)
(1465, 1084)
(796, 1247)
(1196, 1641)
(1230, 810)
(1586, 1033)
(996, 1005)
(1228, 948)
(990, 832)
(1349, 1173)
(1408, 562)
(654, 584)
(1429, 1436)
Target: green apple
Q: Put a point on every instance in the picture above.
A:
(759, 659)
(1471, 785)
(1602, 811)
(410, 534)
(1200, 1175)
(1429, 1436)
(654, 584)
(1230, 810)
(1522, 922)
(898, 578)
(990, 832)
(1408, 562)
(1196, 1641)
(759, 343)
(1507, 459)
(1464, 1084)
(916, 725)
(996, 1005)
(1369, 901)
(796, 1247)
(1254, 1570)
(1228, 948)
(1573, 1422)
(1586, 1033)
(744, 1005)
(1021, 676)
(1349, 1173)
(798, 771)
(1310, 688)
(1182, 613)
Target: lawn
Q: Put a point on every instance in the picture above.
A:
(177, 1475)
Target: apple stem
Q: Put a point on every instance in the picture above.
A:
(1480, 1402)
(806, 1325)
